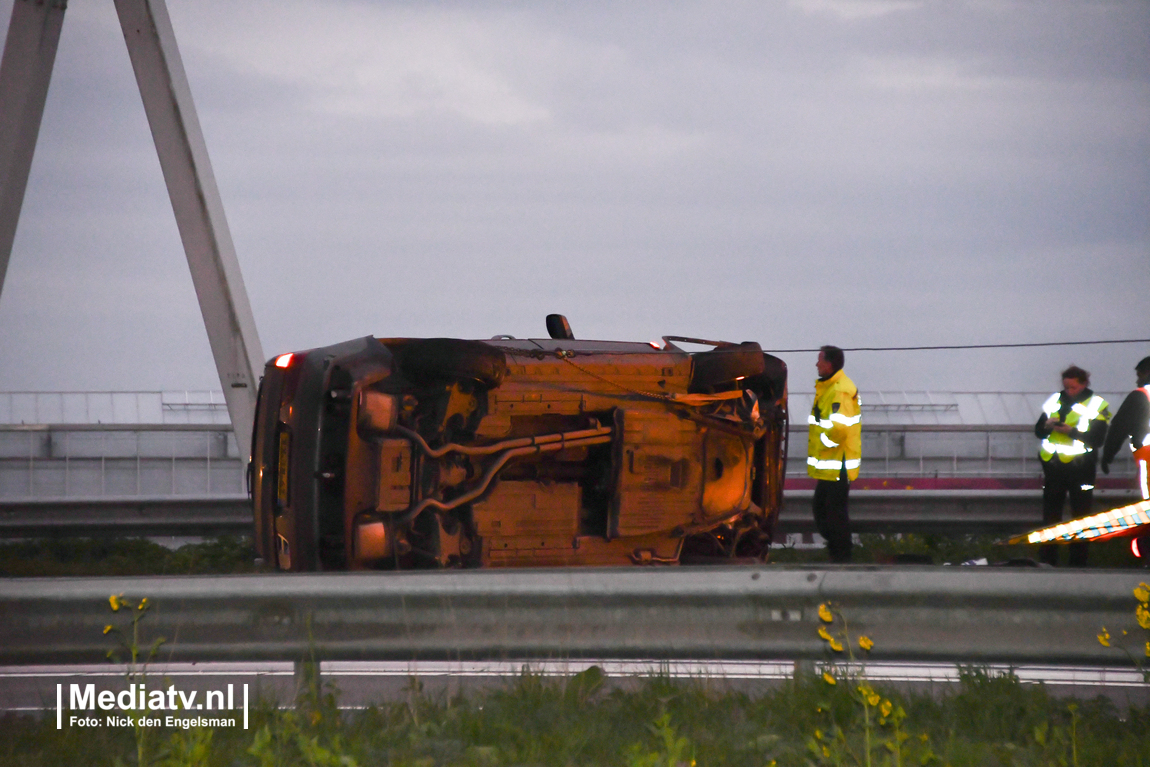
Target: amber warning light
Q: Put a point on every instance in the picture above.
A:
(283, 360)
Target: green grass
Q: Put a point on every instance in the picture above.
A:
(984, 720)
(130, 556)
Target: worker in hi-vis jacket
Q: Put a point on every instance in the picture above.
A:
(1072, 428)
(834, 450)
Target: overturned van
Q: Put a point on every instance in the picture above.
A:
(404, 453)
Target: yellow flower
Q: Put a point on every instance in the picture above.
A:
(825, 613)
(1143, 616)
(836, 645)
(823, 633)
(114, 601)
(885, 708)
(143, 604)
(1148, 649)
(873, 699)
(828, 678)
(1104, 637)
(826, 752)
(866, 643)
(107, 628)
(818, 734)
(1142, 593)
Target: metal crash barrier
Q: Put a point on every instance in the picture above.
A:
(960, 614)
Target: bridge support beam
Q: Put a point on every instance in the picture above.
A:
(196, 202)
(29, 54)
(26, 68)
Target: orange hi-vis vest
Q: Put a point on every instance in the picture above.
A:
(1142, 456)
(1142, 452)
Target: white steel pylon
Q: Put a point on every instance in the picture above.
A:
(25, 70)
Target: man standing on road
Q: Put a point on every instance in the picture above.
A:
(1072, 426)
(834, 450)
(1133, 420)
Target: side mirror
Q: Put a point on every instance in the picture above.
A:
(558, 327)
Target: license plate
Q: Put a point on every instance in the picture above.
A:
(282, 470)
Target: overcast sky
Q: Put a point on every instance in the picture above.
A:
(865, 173)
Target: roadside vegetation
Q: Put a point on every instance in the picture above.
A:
(829, 713)
(124, 556)
(587, 720)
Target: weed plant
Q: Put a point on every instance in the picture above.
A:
(136, 658)
(583, 720)
(1134, 642)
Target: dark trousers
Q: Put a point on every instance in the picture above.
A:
(1060, 480)
(831, 518)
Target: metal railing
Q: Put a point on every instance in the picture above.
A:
(177, 443)
(159, 516)
(82, 461)
(963, 614)
(102, 407)
(150, 460)
(926, 408)
(907, 450)
(945, 512)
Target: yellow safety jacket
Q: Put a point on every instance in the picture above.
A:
(1080, 417)
(835, 438)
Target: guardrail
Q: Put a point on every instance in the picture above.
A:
(948, 512)
(126, 517)
(88, 461)
(952, 512)
(961, 614)
(944, 450)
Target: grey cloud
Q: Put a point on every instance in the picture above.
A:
(939, 173)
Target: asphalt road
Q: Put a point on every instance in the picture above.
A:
(33, 689)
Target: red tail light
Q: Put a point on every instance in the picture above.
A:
(283, 360)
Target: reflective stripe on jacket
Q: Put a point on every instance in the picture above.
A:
(835, 438)
(1079, 418)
